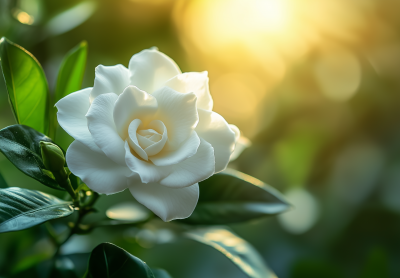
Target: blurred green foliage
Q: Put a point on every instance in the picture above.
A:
(345, 154)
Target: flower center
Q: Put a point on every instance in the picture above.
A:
(147, 141)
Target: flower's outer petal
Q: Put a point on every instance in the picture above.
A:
(241, 143)
(150, 69)
(190, 171)
(236, 130)
(147, 171)
(110, 79)
(100, 173)
(173, 156)
(71, 116)
(133, 141)
(158, 146)
(168, 203)
(133, 104)
(102, 127)
(195, 82)
(194, 169)
(178, 112)
(214, 129)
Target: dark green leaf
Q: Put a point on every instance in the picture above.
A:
(23, 208)
(240, 252)
(160, 273)
(3, 183)
(108, 260)
(26, 85)
(20, 144)
(232, 196)
(71, 71)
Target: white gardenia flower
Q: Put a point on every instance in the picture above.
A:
(148, 128)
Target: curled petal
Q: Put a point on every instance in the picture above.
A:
(150, 69)
(100, 173)
(168, 203)
(102, 127)
(241, 143)
(192, 170)
(133, 104)
(133, 140)
(158, 146)
(71, 116)
(215, 130)
(193, 82)
(178, 112)
(170, 156)
(110, 79)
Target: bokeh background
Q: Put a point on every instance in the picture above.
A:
(315, 86)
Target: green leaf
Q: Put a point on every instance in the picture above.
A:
(71, 71)
(20, 144)
(160, 273)
(23, 208)
(26, 85)
(108, 260)
(232, 196)
(240, 252)
(3, 183)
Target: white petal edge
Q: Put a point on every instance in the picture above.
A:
(193, 82)
(102, 127)
(190, 171)
(110, 79)
(100, 173)
(150, 69)
(213, 128)
(71, 116)
(170, 156)
(167, 203)
(178, 112)
(133, 104)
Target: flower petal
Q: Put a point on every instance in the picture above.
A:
(71, 116)
(192, 170)
(195, 82)
(170, 156)
(102, 127)
(133, 104)
(133, 140)
(168, 203)
(110, 79)
(178, 112)
(214, 129)
(158, 146)
(150, 69)
(99, 172)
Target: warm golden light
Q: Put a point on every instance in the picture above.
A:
(23, 17)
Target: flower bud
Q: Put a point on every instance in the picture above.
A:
(53, 157)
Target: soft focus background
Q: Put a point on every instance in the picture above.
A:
(314, 84)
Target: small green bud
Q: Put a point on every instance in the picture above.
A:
(53, 157)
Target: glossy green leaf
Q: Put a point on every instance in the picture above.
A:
(23, 208)
(108, 260)
(160, 273)
(3, 183)
(20, 144)
(26, 85)
(240, 252)
(232, 196)
(71, 71)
